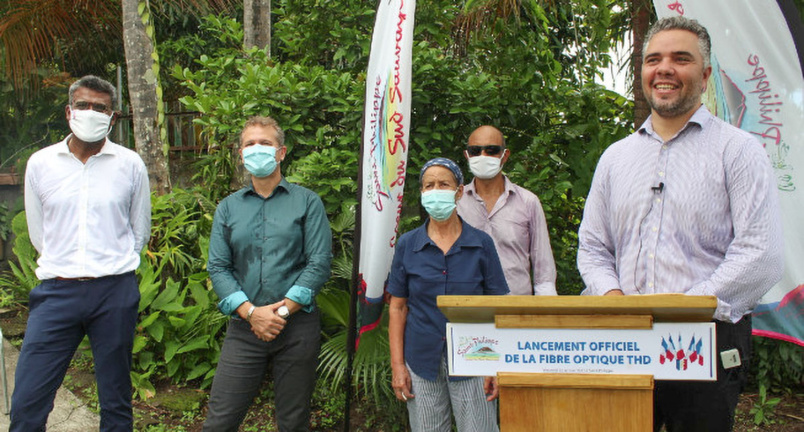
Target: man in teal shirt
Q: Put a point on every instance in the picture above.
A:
(269, 255)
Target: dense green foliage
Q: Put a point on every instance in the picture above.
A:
(531, 76)
(29, 122)
(521, 80)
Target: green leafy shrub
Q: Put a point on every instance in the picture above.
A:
(777, 366)
(520, 80)
(23, 277)
(180, 329)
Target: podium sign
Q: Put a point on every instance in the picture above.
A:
(668, 351)
(580, 363)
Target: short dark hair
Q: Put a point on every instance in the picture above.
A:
(682, 23)
(97, 84)
(265, 121)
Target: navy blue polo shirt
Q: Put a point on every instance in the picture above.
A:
(420, 272)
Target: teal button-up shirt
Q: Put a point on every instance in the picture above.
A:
(263, 250)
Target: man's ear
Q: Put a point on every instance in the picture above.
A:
(706, 74)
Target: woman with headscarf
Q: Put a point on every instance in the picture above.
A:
(444, 256)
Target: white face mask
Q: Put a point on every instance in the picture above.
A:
(90, 126)
(485, 167)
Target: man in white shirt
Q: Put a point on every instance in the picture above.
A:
(88, 207)
(510, 214)
(687, 205)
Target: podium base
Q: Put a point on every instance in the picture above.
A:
(575, 402)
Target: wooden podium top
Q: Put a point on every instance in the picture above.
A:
(662, 307)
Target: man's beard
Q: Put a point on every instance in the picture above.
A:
(671, 109)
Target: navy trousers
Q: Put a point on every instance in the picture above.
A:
(242, 366)
(61, 313)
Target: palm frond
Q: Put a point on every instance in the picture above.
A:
(35, 31)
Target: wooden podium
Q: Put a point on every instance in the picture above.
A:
(549, 402)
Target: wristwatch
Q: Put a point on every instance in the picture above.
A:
(283, 312)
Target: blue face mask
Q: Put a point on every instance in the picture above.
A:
(260, 160)
(439, 203)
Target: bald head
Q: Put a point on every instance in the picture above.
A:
(486, 135)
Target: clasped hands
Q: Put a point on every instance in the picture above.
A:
(266, 324)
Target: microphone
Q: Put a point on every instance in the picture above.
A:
(659, 188)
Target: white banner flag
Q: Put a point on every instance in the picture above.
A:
(385, 150)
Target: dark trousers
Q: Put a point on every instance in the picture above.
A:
(242, 366)
(704, 406)
(61, 313)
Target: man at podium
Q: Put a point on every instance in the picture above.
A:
(687, 204)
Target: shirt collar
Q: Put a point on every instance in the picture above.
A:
(466, 239)
(108, 149)
(699, 117)
(283, 185)
(470, 189)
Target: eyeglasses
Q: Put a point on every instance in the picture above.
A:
(99, 107)
(491, 150)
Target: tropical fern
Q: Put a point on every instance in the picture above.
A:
(24, 277)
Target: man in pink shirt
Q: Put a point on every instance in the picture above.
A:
(510, 214)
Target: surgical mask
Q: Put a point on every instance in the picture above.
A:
(260, 160)
(439, 203)
(485, 167)
(90, 126)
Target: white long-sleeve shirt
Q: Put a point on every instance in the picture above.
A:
(87, 220)
(697, 214)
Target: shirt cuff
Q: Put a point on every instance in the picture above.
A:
(229, 305)
(545, 288)
(302, 296)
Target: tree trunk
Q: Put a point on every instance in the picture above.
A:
(641, 12)
(257, 24)
(144, 94)
(256, 33)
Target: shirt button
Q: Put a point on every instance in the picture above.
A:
(444, 272)
(654, 229)
(658, 200)
(650, 285)
(661, 173)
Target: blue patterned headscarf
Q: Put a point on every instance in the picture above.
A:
(446, 163)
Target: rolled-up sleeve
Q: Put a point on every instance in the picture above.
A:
(220, 265)
(317, 253)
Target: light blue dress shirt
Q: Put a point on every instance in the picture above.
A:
(698, 214)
